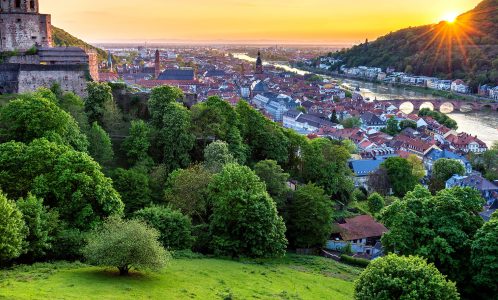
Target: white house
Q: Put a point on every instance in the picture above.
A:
(458, 86)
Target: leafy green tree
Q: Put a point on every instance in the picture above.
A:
(490, 163)
(75, 106)
(175, 138)
(294, 148)
(418, 169)
(442, 170)
(351, 122)
(311, 217)
(404, 278)
(69, 181)
(187, 190)
(266, 140)
(137, 143)
(443, 119)
(100, 145)
(350, 146)
(484, 255)
(407, 124)
(326, 165)
(12, 230)
(375, 203)
(400, 175)
(217, 119)
(439, 228)
(276, 181)
(133, 186)
(41, 225)
(175, 229)
(32, 116)
(99, 95)
(392, 127)
(216, 156)
(244, 220)
(378, 181)
(159, 103)
(125, 245)
(158, 176)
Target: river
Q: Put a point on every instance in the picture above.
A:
(484, 124)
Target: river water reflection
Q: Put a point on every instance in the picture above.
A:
(484, 124)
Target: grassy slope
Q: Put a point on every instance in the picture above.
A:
(294, 277)
(63, 38)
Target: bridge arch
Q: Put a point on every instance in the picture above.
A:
(446, 107)
(407, 107)
(426, 104)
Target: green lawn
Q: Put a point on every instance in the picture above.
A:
(293, 277)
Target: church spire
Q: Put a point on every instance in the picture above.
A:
(259, 64)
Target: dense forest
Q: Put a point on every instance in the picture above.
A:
(465, 49)
(61, 38)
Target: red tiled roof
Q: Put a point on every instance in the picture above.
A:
(361, 227)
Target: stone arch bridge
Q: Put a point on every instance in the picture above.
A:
(438, 103)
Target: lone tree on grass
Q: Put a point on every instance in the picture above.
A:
(404, 278)
(125, 244)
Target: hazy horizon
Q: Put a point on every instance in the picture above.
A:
(311, 22)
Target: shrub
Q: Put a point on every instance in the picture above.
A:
(12, 230)
(175, 229)
(354, 261)
(375, 203)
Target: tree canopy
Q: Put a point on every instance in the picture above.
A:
(244, 220)
(439, 228)
(69, 181)
(400, 175)
(125, 245)
(12, 230)
(403, 278)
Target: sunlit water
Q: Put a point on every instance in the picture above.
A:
(483, 124)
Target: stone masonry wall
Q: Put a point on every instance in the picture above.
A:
(23, 31)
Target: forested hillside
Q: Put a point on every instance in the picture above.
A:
(466, 48)
(62, 38)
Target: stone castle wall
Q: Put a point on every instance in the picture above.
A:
(22, 78)
(23, 31)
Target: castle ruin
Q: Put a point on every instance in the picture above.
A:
(30, 61)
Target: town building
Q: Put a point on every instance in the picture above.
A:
(363, 233)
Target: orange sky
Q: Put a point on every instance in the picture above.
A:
(272, 21)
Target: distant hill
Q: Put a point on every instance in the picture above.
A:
(62, 38)
(466, 49)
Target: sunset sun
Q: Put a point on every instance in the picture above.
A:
(450, 17)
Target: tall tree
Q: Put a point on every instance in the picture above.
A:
(406, 278)
(484, 259)
(244, 220)
(439, 228)
(310, 217)
(276, 181)
(41, 225)
(100, 145)
(133, 186)
(99, 94)
(326, 165)
(160, 98)
(12, 230)
(137, 143)
(400, 175)
(392, 127)
(187, 190)
(69, 181)
(266, 140)
(216, 156)
(442, 170)
(418, 169)
(32, 116)
(175, 138)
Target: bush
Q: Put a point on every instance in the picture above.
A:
(12, 230)
(125, 245)
(175, 229)
(404, 278)
(67, 245)
(375, 203)
(354, 261)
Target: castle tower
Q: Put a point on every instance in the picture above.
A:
(22, 27)
(259, 64)
(157, 65)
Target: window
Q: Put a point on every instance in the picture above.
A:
(32, 4)
(18, 4)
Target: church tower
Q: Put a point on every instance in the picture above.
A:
(157, 64)
(259, 64)
(22, 26)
